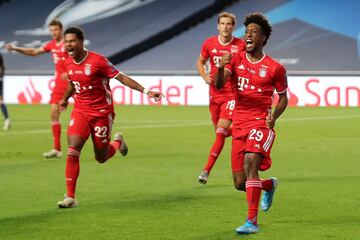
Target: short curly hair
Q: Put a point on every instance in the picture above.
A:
(261, 20)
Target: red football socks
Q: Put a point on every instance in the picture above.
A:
(253, 192)
(113, 146)
(216, 148)
(72, 170)
(56, 131)
(267, 184)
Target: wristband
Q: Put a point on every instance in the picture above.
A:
(146, 91)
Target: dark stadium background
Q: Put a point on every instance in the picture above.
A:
(164, 36)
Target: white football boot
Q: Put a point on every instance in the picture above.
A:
(68, 202)
(53, 153)
(7, 124)
(123, 147)
(203, 178)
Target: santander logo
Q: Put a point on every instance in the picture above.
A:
(324, 91)
(30, 94)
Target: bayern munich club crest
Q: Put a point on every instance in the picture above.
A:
(262, 72)
(87, 69)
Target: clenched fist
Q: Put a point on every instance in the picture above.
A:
(225, 59)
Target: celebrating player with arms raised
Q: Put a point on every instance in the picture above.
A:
(254, 76)
(221, 102)
(93, 112)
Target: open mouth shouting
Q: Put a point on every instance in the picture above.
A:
(249, 43)
(70, 51)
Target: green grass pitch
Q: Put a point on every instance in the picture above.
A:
(153, 193)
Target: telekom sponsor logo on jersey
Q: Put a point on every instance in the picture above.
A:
(191, 90)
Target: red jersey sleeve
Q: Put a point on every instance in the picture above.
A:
(280, 79)
(205, 50)
(107, 68)
(48, 46)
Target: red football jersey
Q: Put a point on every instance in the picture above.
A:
(90, 78)
(253, 84)
(213, 48)
(59, 55)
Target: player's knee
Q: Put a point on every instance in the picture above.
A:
(239, 183)
(239, 186)
(100, 159)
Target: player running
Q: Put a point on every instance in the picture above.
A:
(93, 112)
(221, 102)
(56, 47)
(253, 76)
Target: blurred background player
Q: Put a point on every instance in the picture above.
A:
(93, 112)
(254, 77)
(56, 47)
(221, 102)
(7, 123)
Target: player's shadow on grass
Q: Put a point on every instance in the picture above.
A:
(161, 201)
(182, 203)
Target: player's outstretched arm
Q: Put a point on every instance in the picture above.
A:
(63, 103)
(279, 109)
(131, 83)
(221, 75)
(25, 51)
(200, 66)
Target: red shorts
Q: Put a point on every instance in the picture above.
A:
(221, 108)
(254, 140)
(98, 127)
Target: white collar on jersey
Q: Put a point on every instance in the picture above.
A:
(59, 43)
(256, 61)
(87, 53)
(225, 44)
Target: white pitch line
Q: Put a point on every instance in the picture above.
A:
(184, 123)
(9, 132)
